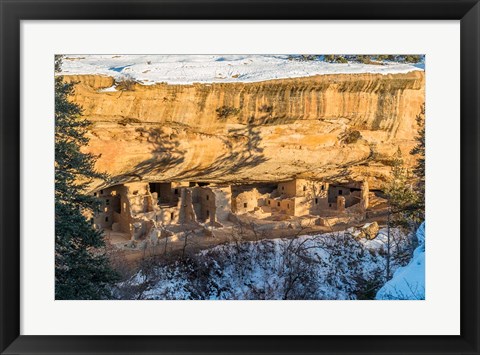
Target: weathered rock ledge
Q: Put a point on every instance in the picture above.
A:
(335, 127)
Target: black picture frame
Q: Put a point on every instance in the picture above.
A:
(13, 11)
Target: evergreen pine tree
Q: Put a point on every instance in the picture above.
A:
(419, 152)
(81, 268)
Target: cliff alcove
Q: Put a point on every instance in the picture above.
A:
(337, 127)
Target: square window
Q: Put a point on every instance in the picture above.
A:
(340, 192)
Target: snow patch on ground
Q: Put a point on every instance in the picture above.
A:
(110, 89)
(189, 69)
(408, 282)
(329, 266)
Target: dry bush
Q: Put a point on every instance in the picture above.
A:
(126, 84)
(128, 120)
(351, 137)
(224, 112)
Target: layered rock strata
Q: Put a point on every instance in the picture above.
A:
(337, 127)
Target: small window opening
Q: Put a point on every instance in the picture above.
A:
(304, 188)
(268, 201)
(283, 187)
(322, 188)
(94, 194)
(208, 197)
(340, 192)
(176, 191)
(329, 205)
(208, 214)
(245, 205)
(316, 201)
(107, 202)
(101, 192)
(288, 205)
(106, 219)
(135, 192)
(172, 216)
(278, 204)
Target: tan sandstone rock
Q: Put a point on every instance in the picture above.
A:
(335, 127)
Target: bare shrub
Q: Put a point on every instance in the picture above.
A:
(224, 112)
(266, 108)
(126, 83)
(253, 266)
(352, 136)
(128, 120)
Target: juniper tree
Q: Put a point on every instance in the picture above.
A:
(406, 207)
(406, 189)
(81, 268)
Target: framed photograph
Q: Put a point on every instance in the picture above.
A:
(238, 177)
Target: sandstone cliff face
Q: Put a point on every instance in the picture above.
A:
(337, 127)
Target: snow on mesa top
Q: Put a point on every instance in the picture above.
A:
(189, 69)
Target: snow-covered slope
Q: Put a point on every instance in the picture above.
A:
(329, 266)
(188, 69)
(408, 282)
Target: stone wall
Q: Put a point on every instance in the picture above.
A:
(140, 199)
(164, 192)
(168, 215)
(246, 201)
(204, 204)
(223, 198)
(288, 188)
(187, 211)
(114, 210)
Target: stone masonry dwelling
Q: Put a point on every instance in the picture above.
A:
(122, 206)
(135, 208)
(138, 208)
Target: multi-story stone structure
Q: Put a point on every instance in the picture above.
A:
(136, 208)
